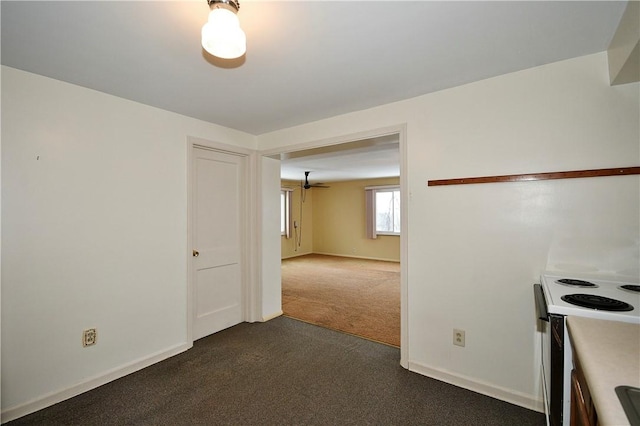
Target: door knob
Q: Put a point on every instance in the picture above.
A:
(196, 253)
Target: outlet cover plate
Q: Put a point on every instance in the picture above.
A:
(89, 337)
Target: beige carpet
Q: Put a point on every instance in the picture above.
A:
(356, 296)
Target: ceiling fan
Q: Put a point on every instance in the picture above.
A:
(308, 185)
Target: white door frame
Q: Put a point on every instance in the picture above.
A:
(401, 131)
(250, 236)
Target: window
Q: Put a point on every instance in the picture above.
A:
(383, 210)
(388, 211)
(285, 212)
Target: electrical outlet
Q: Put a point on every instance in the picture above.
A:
(458, 337)
(89, 337)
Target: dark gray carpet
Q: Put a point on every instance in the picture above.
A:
(283, 372)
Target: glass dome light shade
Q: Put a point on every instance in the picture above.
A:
(222, 35)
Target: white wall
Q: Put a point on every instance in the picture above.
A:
(94, 208)
(271, 276)
(475, 251)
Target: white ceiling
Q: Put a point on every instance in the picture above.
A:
(305, 60)
(364, 159)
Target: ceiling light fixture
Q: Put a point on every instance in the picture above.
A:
(222, 35)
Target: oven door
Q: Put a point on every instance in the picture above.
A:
(552, 331)
(545, 342)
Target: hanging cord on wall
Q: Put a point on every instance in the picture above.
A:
(297, 230)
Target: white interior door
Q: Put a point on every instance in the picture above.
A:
(218, 198)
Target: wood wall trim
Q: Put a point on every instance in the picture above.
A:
(618, 171)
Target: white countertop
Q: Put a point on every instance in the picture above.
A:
(609, 352)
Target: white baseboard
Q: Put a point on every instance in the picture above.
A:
(13, 413)
(357, 257)
(296, 255)
(508, 395)
(272, 316)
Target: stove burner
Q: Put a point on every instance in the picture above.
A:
(634, 288)
(600, 303)
(576, 283)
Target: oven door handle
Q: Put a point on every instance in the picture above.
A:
(541, 303)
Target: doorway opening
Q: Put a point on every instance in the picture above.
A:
(333, 273)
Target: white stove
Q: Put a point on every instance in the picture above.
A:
(602, 293)
(559, 296)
